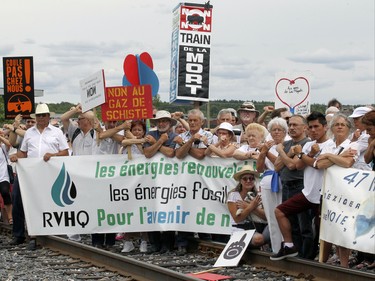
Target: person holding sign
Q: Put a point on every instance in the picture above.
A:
(292, 182)
(162, 140)
(309, 197)
(245, 206)
(270, 183)
(368, 120)
(42, 141)
(345, 153)
(196, 140)
(247, 114)
(4, 176)
(255, 135)
(225, 146)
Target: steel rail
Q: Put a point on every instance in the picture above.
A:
(297, 266)
(114, 262)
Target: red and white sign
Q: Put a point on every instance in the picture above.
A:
(195, 18)
(127, 103)
(293, 91)
(190, 53)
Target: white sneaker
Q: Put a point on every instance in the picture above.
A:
(143, 246)
(74, 237)
(128, 247)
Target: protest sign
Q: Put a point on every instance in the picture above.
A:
(113, 194)
(348, 213)
(127, 103)
(18, 73)
(92, 91)
(190, 52)
(293, 91)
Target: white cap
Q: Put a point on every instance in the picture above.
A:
(360, 111)
(226, 126)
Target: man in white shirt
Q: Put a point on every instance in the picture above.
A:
(41, 141)
(309, 198)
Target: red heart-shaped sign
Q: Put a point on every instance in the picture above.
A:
(131, 69)
(292, 92)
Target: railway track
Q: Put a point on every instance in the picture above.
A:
(135, 266)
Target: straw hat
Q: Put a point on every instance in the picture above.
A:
(160, 114)
(248, 106)
(41, 109)
(246, 169)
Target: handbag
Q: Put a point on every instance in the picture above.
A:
(9, 168)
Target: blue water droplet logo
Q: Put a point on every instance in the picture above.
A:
(63, 190)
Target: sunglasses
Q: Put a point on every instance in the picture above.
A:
(248, 178)
(41, 115)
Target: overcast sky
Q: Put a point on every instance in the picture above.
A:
(251, 42)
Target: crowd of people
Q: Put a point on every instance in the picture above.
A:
(279, 196)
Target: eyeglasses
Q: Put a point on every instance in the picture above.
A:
(248, 178)
(340, 125)
(81, 118)
(41, 115)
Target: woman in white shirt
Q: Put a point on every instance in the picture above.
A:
(245, 206)
(270, 183)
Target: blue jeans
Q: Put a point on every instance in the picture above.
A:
(302, 231)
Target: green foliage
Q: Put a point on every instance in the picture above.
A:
(212, 107)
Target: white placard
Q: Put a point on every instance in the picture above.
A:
(293, 91)
(235, 248)
(92, 91)
(348, 211)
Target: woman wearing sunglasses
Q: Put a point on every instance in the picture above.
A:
(245, 206)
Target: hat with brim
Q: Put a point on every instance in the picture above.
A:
(246, 169)
(226, 126)
(360, 111)
(42, 108)
(248, 106)
(163, 114)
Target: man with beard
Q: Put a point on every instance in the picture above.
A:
(247, 114)
(161, 140)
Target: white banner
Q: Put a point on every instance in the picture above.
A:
(348, 211)
(108, 193)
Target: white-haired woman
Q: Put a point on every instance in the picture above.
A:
(345, 154)
(255, 134)
(270, 183)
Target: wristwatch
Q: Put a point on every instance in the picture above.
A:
(300, 155)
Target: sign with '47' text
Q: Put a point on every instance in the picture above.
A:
(348, 216)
